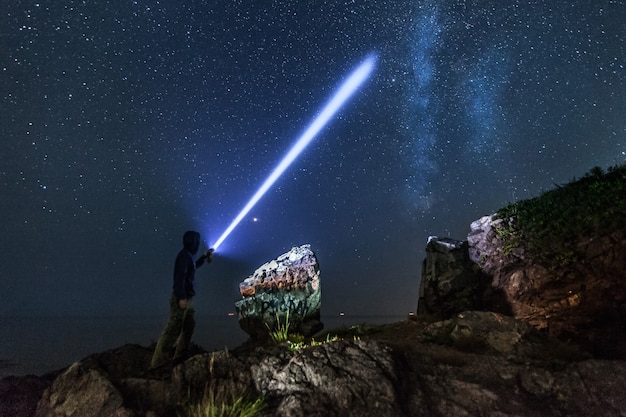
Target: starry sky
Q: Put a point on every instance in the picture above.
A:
(125, 123)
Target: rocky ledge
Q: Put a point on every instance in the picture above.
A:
(473, 364)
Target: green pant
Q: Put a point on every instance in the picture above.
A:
(177, 333)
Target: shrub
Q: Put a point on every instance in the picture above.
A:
(551, 222)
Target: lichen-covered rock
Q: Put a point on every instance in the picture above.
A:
(284, 290)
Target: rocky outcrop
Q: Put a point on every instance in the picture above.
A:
(285, 290)
(473, 364)
(580, 294)
(577, 294)
(448, 284)
(451, 282)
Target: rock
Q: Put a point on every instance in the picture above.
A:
(448, 284)
(473, 364)
(584, 299)
(283, 290)
(585, 389)
(487, 249)
(482, 330)
(343, 378)
(222, 372)
(79, 392)
(108, 383)
(19, 395)
(452, 283)
(452, 391)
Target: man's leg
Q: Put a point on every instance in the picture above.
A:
(186, 331)
(163, 351)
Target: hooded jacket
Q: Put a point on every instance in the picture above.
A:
(185, 267)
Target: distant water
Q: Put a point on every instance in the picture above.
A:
(36, 345)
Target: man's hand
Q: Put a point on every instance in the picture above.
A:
(182, 303)
(209, 253)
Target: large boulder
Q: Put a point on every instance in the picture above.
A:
(448, 284)
(110, 383)
(82, 392)
(282, 291)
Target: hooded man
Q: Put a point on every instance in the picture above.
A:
(181, 323)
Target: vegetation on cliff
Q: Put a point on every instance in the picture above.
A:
(552, 222)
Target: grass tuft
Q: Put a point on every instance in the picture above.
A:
(220, 400)
(281, 333)
(213, 404)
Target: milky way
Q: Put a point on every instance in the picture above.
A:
(125, 123)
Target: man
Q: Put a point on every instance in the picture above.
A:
(181, 323)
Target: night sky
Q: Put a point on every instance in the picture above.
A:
(125, 123)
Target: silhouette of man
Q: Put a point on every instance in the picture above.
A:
(181, 323)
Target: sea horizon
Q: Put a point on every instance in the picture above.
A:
(36, 345)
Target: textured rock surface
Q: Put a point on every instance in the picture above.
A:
(285, 289)
(452, 283)
(343, 378)
(473, 364)
(486, 331)
(447, 278)
(81, 391)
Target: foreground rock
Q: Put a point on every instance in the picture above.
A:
(474, 364)
(19, 395)
(286, 289)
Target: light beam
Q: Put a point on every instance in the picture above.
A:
(349, 87)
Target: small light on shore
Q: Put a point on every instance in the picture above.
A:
(341, 314)
(411, 314)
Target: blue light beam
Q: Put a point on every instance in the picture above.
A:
(347, 89)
